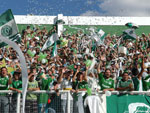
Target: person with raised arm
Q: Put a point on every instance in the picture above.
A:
(138, 80)
(105, 81)
(31, 99)
(79, 84)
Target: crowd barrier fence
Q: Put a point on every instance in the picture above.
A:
(19, 97)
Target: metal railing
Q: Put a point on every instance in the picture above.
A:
(18, 102)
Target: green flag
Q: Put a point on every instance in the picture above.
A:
(128, 104)
(8, 27)
(54, 53)
(129, 34)
(50, 41)
(101, 37)
(102, 34)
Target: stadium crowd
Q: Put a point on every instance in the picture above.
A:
(79, 65)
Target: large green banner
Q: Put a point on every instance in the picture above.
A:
(8, 27)
(128, 104)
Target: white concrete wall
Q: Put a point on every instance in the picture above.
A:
(82, 20)
(21, 19)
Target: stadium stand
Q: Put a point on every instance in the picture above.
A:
(84, 60)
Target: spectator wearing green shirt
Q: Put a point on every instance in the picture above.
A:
(147, 80)
(31, 99)
(15, 86)
(125, 84)
(16, 83)
(5, 81)
(147, 83)
(43, 99)
(138, 79)
(105, 81)
(79, 84)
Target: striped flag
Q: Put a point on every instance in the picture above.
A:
(100, 37)
(8, 27)
(54, 53)
(129, 34)
(50, 41)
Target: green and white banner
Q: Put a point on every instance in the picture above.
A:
(102, 34)
(129, 34)
(50, 41)
(103, 103)
(8, 27)
(54, 52)
(128, 104)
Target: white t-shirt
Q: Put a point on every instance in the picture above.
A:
(140, 85)
(66, 84)
(93, 83)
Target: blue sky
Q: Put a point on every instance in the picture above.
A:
(78, 7)
(48, 7)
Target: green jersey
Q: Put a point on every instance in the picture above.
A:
(31, 96)
(147, 83)
(105, 83)
(45, 86)
(123, 84)
(81, 85)
(4, 83)
(17, 84)
(45, 83)
(136, 83)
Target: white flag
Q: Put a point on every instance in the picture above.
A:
(53, 38)
(102, 34)
(96, 104)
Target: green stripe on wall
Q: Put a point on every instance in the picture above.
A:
(109, 29)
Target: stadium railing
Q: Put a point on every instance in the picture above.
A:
(19, 97)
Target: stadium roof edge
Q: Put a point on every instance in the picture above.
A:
(81, 20)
